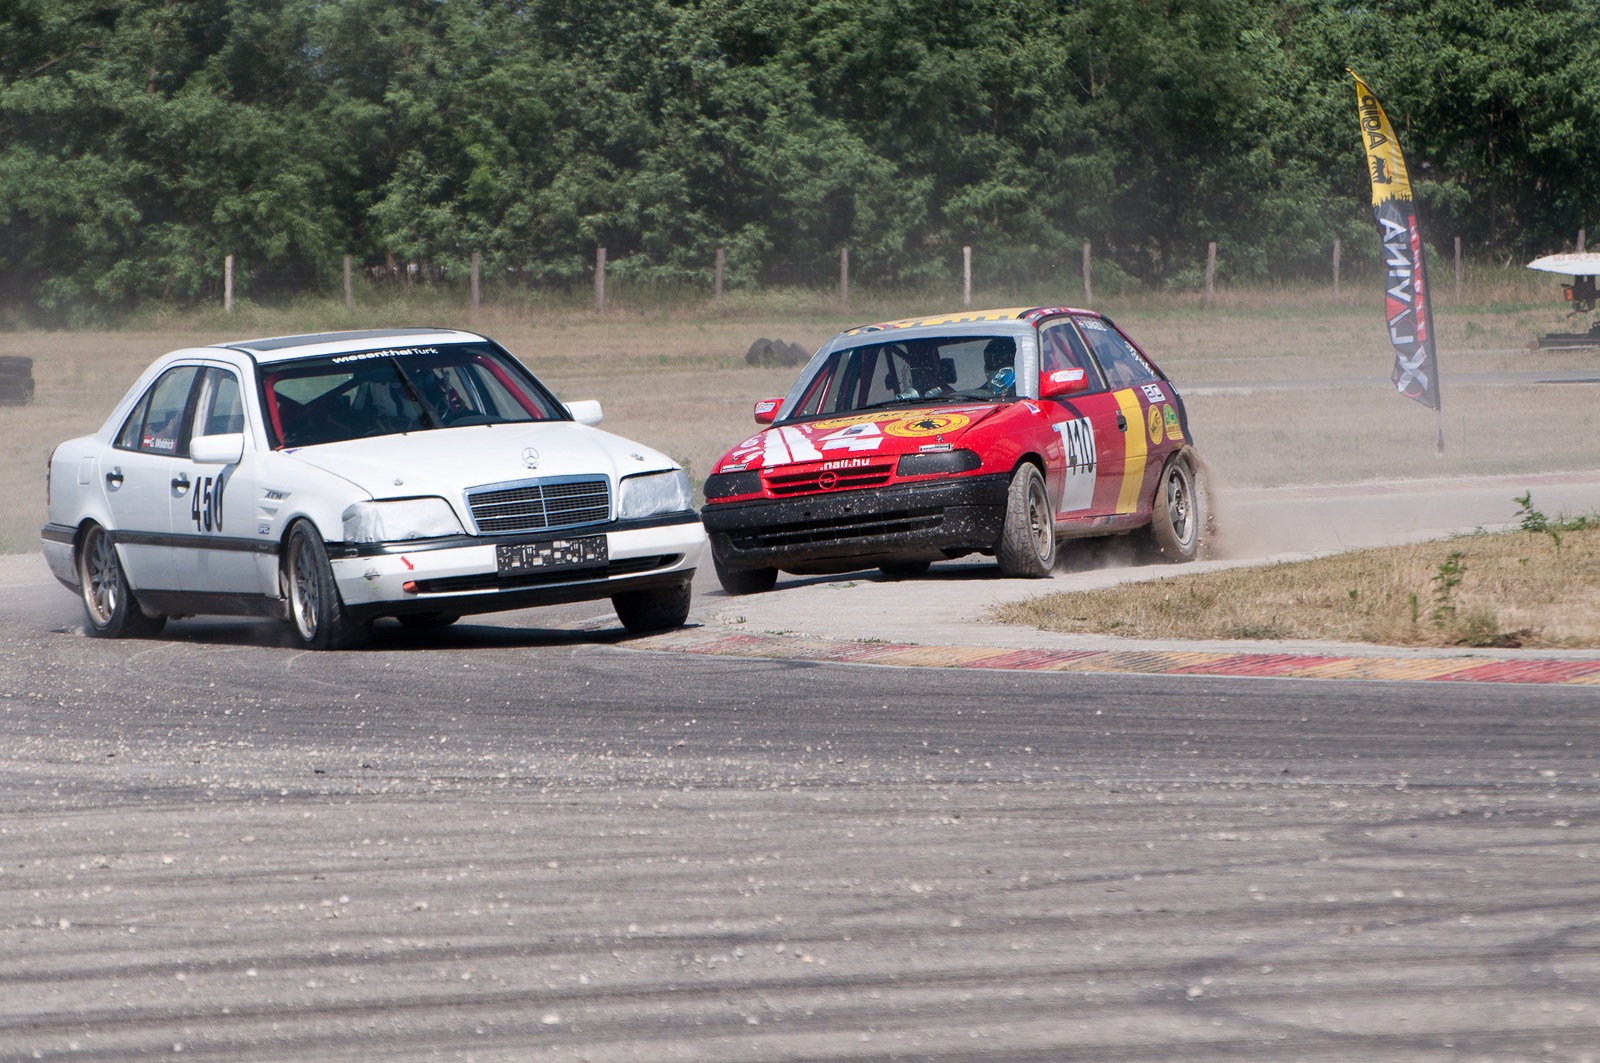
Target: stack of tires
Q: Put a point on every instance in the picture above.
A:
(776, 352)
(16, 380)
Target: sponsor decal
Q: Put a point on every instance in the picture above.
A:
(935, 448)
(398, 352)
(1155, 425)
(847, 463)
(928, 424)
(1170, 417)
(883, 416)
(1092, 325)
(1154, 393)
(1079, 459)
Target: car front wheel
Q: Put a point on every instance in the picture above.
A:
(1027, 546)
(316, 612)
(108, 604)
(744, 580)
(653, 609)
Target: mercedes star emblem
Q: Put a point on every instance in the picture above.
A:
(530, 457)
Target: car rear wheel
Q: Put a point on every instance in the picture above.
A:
(316, 612)
(426, 621)
(904, 569)
(744, 580)
(108, 604)
(1027, 546)
(1175, 518)
(653, 609)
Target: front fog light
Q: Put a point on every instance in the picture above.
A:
(653, 494)
(407, 518)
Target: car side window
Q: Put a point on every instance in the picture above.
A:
(128, 438)
(1124, 366)
(159, 416)
(1060, 347)
(220, 410)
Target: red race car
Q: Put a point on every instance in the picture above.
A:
(998, 432)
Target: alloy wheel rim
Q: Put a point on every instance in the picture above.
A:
(100, 578)
(1038, 520)
(1180, 506)
(306, 588)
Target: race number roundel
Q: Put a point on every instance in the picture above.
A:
(1155, 424)
(928, 424)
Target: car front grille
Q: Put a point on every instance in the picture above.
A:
(835, 529)
(511, 509)
(820, 479)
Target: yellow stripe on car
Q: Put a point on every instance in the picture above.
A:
(1133, 465)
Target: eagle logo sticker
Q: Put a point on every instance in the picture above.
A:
(927, 424)
(1155, 424)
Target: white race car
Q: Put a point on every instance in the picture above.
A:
(331, 479)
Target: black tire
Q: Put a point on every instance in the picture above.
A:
(317, 615)
(744, 580)
(16, 363)
(110, 609)
(653, 609)
(904, 569)
(1027, 546)
(1176, 517)
(426, 621)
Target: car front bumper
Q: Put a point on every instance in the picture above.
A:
(460, 576)
(926, 520)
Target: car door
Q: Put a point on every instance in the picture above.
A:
(137, 476)
(211, 504)
(1085, 465)
(1146, 403)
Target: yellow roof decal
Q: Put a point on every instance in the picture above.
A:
(966, 317)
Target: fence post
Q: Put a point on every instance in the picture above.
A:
(1088, 289)
(349, 286)
(1211, 270)
(476, 262)
(227, 284)
(844, 275)
(1337, 247)
(722, 257)
(600, 280)
(966, 276)
(1458, 265)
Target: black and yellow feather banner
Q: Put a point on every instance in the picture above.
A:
(1410, 317)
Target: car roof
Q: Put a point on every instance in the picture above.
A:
(278, 348)
(973, 318)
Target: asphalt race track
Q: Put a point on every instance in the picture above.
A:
(516, 841)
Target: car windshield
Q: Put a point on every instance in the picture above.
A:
(404, 389)
(939, 369)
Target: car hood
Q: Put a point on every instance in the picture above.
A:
(449, 461)
(878, 432)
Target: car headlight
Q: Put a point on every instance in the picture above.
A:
(407, 518)
(653, 494)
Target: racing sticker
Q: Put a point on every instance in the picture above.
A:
(1170, 416)
(1154, 393)
(882, 416)
(1077, 441)
(1155, 425)
(854, 438)
(928, 424)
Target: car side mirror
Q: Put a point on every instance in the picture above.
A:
(766, 410)
(1062, 382)
(226, 449)
(586, 411)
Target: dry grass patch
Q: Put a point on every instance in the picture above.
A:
(1509, 589)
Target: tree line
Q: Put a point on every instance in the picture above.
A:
(143, 140)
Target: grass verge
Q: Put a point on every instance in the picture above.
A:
(1531, 588)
